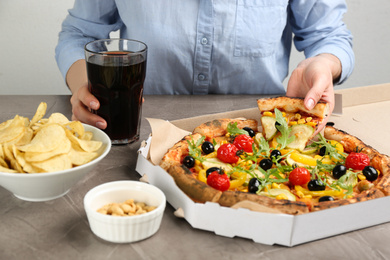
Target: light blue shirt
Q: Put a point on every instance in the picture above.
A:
(212, 46)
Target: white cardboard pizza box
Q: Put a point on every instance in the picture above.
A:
(284, 229)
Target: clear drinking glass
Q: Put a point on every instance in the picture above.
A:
(116, 72)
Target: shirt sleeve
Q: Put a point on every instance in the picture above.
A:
(318, 28)
(88, 20)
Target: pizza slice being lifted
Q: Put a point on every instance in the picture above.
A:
(289, 114)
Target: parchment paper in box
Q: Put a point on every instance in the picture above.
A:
(270, 228)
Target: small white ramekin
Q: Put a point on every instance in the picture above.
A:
(124, 229)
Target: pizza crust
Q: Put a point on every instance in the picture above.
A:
(370, 194)
(217, 128)
(292, 105)
(177, 152)
(195, 189)
(231, 198)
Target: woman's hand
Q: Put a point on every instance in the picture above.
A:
(313, 79)
(82, 100)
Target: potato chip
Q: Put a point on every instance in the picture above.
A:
(76, 128)
(16, 165)
(5, 124)
(58, 118)
(14, 130)
(81, 157)
(38, 156)
(88, 146)
(27, 137)
(26, 166)
(8, 154)
(5, 169)
(47, 139)
(44, 144)
(41, 111)
(87, 136)
(57, 163)
(3, 163)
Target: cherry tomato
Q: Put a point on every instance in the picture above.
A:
(244, 142)
(357, 161)
(299, 176)
(218, 181)
(227, 153)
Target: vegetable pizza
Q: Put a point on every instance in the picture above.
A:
(280, 163)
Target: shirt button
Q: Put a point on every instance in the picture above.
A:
(204, 41)
(201, 77)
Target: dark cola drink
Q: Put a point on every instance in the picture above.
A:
(116, 79)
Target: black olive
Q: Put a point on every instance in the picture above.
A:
(189, 161)
(277, 124)
(250, 131)
(338, 171)
(207, 147)
(371, 173)
(322, 151)
(266, 164)
(213, 169)
(316, 185)
(325, 198)
(253, 185)
(275, 154)
(330, 123)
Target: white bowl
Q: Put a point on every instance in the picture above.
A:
(124, 229)
(52, 185)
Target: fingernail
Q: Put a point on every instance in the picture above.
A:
(100, 125)
(310, 104)
(93, 105)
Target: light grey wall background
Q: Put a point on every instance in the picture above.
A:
(29, 31)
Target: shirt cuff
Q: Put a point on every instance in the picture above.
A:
(347, 59)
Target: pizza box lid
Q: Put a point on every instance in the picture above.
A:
(271, 228)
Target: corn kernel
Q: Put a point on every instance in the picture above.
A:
(293, 123)
(198, 168)
(197, 162)
(284, 114)
(281, 197)
(284, 186)
(301, 121)
(267, 113)
(275, 186)
(361, 177)
(312, 124)
(308, 119)
(267, 188)
(297, 116)
(300, 194)
(227, 135)
(211, 155)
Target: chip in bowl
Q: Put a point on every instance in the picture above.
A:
(45, 144)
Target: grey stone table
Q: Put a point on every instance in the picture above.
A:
(59, 229)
